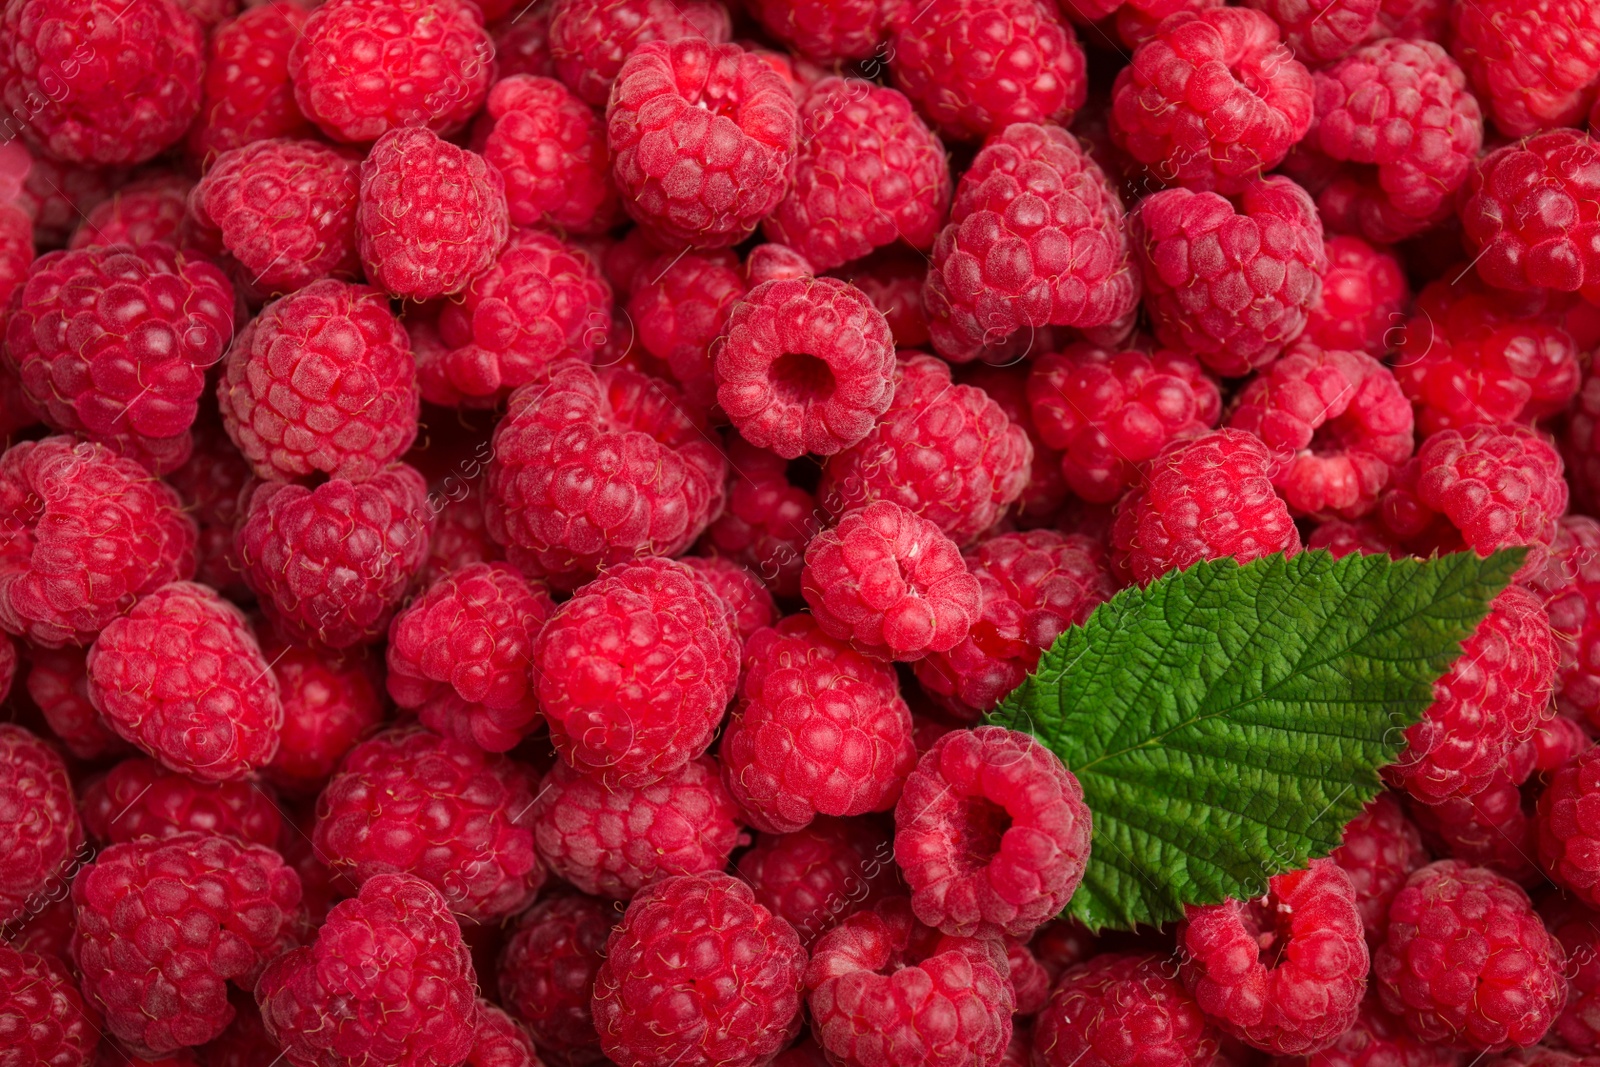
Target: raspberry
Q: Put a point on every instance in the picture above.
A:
(321, 381)
(1122, 1009)
(1035, 238)
(679, 304)
(57, 195)
(1529, 209)
(500, 1041)
(211, 483)
(1364, 294)
(885, 990)
(109, 81)
(1317, 32)
(432, 216)
(1581, 445)
(329, 701)
(818, 876)
(612, 841)
(820, 729)
(768, 519)
(140, 798)
(1380, 848)
(1231, 286)
(522, 44)
(1490, 829)
(1570, 587)
(890, 583)
(869, 172)
(43, 1020)
(1212, 101)
(387, 976)
(1399, 114)
(946, 452)
(1488, 703)
(235, 904)
(332, 563)
(551, 150)
(804, 365)
(1206, 497)
(364, 67)
(740, 589)
(246, 94)
(88, 533)
(543, 301)
(702, 140)
(1578, 930)
(1504, 993)
(141, 212)
(1566, 827)
(1534, 66)
(892, 278)
(698, 974)
(280, 214)
(460, 536)
(1108, 411)
(546, 975)
(1475, 354)
(114, 343)
(593, 468)
(58, 683)
(1046, 492)
(590, 39)
(40, 852)
(1031, 587)
(1378, 1039)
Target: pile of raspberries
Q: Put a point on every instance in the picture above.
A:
(512, 516)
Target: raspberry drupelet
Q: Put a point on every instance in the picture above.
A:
(679, 304)
(39, 853)
(150, 209)
(1380, 849)
(546, 975)
(1363, 300)
(330, 700)
(1534, 65)
(246, 94)
(820, 875)
(44, 1018)
(698, 974)
(590, 39)
(140, 798)
(819, 729)
(635, 716)
(1569, 584)
(991, 834)
(1122, 1010)
(551, 150)
(387, 974)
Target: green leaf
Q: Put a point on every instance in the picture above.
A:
(1227, 721)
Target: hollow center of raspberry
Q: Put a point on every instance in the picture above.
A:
(983, 823)
(800, 378)
(1271, 924)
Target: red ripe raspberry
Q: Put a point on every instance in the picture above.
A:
(820, 729)
(750, 604)
(702, 140)
(1535, 66)
(946, 452)
(140, 212)
(1502, 994)
(1492, 829)
(1231, 286)
(551, 150)
(321, 381)
(1046, 492)
(211, 483)
(280, 214)
(43, 1020)
(1570, 587)
(612, 841)
(1488, 703)
(182, 677)
(458, 655)
(1380, 849)
(593, 467)
(546, 975)
(114, 343)
(56, 195)
(1212, 101)
(885, 990)
(329, 702)
(543, 301)
(768, 519)
(804, 365)
(1377, 1039)
(1031, 587)
(1364, 295)
(1531, 210)
(827, 30)
(1475, 354)
(1338, 423)
(892, 278)
(1318, 32)
(236, 905)
(818, 876)
(590, 39)
(432, 216)
(408, 801)
(890, 583)
(522, 44)
(460, 535)
(140, 798)
(773, 261)
(869, 172)
(1578, 930)
(88, 532)
(39, 853)
(1206, 497)
(1401, 112)
(1581, 445)
(1108, 411)
(331, 564)
(1035, 238)
(1122, 1010)
(1567, 827)
(246, 95)
(500, 1041)
(109, 81)
(679, 304)
(58, 684)
(364, 67)
(388, 975)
